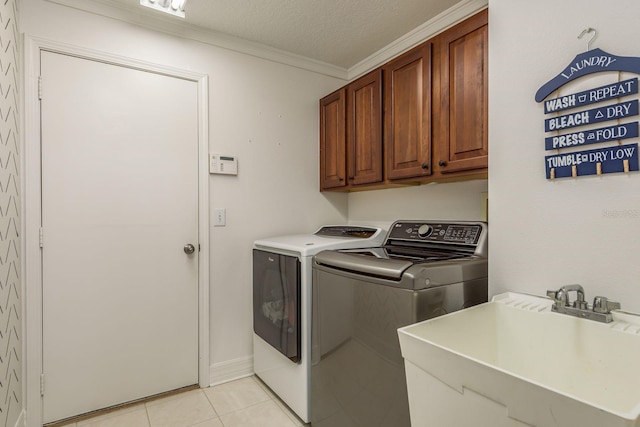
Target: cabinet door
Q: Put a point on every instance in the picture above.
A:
(461, 125)
(332, 141)
(407, 135)
(364, 129)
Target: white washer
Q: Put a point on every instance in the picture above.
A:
(278, 307)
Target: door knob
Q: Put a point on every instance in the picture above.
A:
(189, 249)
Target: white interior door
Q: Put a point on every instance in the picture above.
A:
(119, 203)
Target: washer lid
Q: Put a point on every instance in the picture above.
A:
(365, 263)
(327, 237)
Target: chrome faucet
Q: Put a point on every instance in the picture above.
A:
(600, 310)
(563, 294)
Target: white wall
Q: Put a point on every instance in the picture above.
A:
(442, 201)
(266, 114)
(263, 112)
(545, 234)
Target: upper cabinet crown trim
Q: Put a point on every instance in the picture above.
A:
(455, 14)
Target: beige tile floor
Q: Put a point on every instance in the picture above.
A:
(246, 402)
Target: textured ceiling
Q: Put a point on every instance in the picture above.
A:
(337, 32)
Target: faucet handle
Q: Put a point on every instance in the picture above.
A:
(559, 298)
(603, 305)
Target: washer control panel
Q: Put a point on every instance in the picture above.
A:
(438, 232)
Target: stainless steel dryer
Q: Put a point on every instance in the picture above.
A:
(360, 299)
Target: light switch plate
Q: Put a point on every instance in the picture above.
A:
(219, 217)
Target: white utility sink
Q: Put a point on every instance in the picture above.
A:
(513, 362)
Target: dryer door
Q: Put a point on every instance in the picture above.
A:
(276, 301)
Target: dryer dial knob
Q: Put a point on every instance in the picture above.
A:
(425, 230)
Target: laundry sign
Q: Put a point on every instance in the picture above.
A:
(567, 112)
(592, 61)
(595, 115)
(623, 158)
(587, 97)
(592, 136)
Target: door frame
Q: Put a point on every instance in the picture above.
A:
(31, 191)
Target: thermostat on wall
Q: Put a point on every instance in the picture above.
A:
(227, 165)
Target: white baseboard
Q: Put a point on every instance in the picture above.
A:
(231, 370)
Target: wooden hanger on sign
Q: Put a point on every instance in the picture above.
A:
(589, 62)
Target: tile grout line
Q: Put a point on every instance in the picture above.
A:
(201, 390)
(270, 399)
(206, 396)
(246, 407)
(146, 411)
(283, 406)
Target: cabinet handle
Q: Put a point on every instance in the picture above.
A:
(424, 166)
(442, 163)
(351, 178)
(340, 179)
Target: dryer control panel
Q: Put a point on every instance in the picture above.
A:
(346, 231)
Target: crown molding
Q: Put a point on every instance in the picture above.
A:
(133, 15)
(429, 29)
(169, 25)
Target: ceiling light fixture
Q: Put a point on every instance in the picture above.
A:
(173, 7)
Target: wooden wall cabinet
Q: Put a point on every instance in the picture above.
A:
(364, 130)
(351, 135)
(333, 141)
(460, 120)
(434, 123)
(407, 114)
